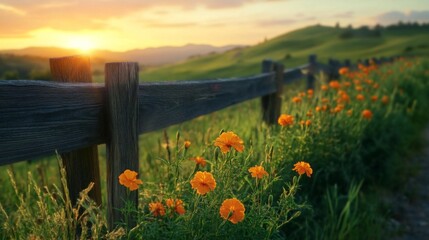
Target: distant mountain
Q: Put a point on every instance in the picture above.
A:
(148, 56)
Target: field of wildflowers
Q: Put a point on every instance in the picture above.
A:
(228, 176)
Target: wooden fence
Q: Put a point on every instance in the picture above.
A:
(72, 115)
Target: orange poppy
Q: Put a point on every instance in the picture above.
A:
(296, 100)
(232, 210)
(385, 99)
(335, 84)
(129, 179)
(360, 97)
(176, 205)
(310, 92)
(187, 144)
(203, 182)
(157, 209)
(199, 161)
(324, 88)
(285, 120)
(258, 172)
(367, 114)
(374, 98)
(349, 112)
(227, 140)
(343, 71)
(303, 167)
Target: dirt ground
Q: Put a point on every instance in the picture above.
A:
(410, 219)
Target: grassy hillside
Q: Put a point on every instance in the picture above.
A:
(293, 49)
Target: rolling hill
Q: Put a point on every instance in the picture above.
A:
(200, 61)
(293, 49)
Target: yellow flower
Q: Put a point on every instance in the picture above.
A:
(227, 140)
(303, 167)
(232, 210)
(157, 209)
(176, 205)
(129, 179)
(285, 120)
(258, 172)
(199, 161)
(203, 182)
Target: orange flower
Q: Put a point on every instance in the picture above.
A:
(376, 85)
(374, 98)
(176, 205)
(360, 97)
(335, 85)
(318, 109)
(232, 210)
(306, 123)
(258, 172)
(129, 179)
(200, 161)
(157, 209)
(385, 99)
(349, 112)
(367, 114)
(296, 100)
(309, 113)
(310, 92)
(301, 94)
(346, 84)
(343, 71)
(227, 140)
(324, 88)
(285, 120)
(187, 144)
(325, 100)
(203, 182)
(338, 109)
(359, 88)
(303, 167)
(344, 98)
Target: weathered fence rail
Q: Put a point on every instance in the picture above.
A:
(38, 117)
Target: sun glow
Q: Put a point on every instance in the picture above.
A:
(85, 45)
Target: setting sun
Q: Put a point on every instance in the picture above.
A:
(85, 45)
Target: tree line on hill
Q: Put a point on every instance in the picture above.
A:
(376, 31)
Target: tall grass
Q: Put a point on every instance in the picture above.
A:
(349, 153)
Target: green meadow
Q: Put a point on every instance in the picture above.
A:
(353, 155)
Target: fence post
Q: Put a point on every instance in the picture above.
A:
(82, 165)
(311, 71)
(271, 103)
(122, 144)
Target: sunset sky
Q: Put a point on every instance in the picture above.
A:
(130, 24)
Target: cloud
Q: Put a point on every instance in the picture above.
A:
(396, 16)
(348, 14)
(10, 9)
(271, 22)
(72, 15)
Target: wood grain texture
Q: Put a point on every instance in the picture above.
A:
(168, 103)
(271, 103)
(39, 117)
(294, 74)
(311, 71)
(82, 165)
(122, 144)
